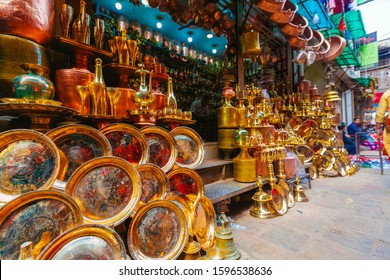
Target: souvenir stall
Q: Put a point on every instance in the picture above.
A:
(99, 155)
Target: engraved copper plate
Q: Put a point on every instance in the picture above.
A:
(80, 143)
(127, 142)
(29, 161)
(107, 189)
(162, 147)
(186, 181)
(158, 231)
(205, 222)
(190, 147)
(86, 242)
(37, 216)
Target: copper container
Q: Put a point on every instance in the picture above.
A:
(295, 27)
(314, 95)
(13, 52)
(65, 83)
(160, 101)
(30, 19)
(290, 167)
(337, 45)
(271, 6)
(286, 14)
(300, 42)
(126, 102)
(316, 41)
(304, 86)
(323, 49)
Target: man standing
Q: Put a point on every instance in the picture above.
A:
(384, 105)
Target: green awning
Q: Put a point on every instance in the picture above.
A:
(353, 21)
(364, 81)
(348, 56)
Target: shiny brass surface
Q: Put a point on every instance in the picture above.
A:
(204, 222)
(262, 203)
(191, 250)
(299, 192)
(30, 19)
(224, 240)
(226, 142)
(244, 166)
(226, 114)
(250, 43)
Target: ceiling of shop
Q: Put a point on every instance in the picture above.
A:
(148, 16)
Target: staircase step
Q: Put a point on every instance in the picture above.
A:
(224, 189)
(211, 151)
(214, 170)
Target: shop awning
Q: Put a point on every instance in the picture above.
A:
(310, 8)
(353, 21)
(364, 81)
(348, 56)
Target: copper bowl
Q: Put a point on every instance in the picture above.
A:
(337, 45)
(324, 48)
(295, 27)
(286, 14)
(316, 41)
(271, 6)
(300, 42)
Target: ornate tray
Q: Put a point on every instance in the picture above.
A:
(295, 123)
(187, 182)
(107, 189)
(86, 242)
(205, 222)
(162, 147)
(279, 200)
(185, 204)
(305, 131)
(158, 231)
(306, 151)
(311, 123)
(127, 142)
(29, 161)
(154, 181)
(37, 216)
(190, 147)
(80, 143)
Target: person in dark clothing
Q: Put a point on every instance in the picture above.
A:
(355, 127)
(349, 142)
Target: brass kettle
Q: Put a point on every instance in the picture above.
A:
(144, 96)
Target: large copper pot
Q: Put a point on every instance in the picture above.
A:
(66, 81)
(322, 51)
(316, 41)
(15, 51)
(337, 45)
(286, 14)
(271, 6)
(300, 42)
(295, 27)
(30, 19)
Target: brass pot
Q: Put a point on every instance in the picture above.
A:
(250, 43)
(13, 52)
(160, 101)
(226, 142)
(295, 27)
(337, 45)
(286, 14)
(65, 82)
(30, 19)
(244, 167)
(271, 6)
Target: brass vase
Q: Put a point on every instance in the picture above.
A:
(226, 142)
(244, 167)
(226, 115)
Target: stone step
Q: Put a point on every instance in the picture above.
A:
(213, 170)
(211, 151)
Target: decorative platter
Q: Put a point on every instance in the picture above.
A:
(154, 182)
(80, 143)
(38, 216)
(295, 123)
(86, 242)
(311, 123)
(205, 221)
(306, 151)
(341, 167)
(190, 147)
(107, 189)
(162, 147)
(127, 142)
(159, 230)
(187, 182)
(279, 199)
(185, 204)
(318, 147)
(29, 161)
(305, 131)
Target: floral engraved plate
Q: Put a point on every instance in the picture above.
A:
(39, 217)
(107, 189)
(29, 161)
(127, 142)
(80, 143)
(162, 147)
(86, 242)
(187, 182)
(190, 147)
(205, 222)
(154, 181)
(158, 231)
(185, 204)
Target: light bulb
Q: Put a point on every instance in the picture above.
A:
(145, 2)
(214, 50)
(209, 35)
(159, 25)
(189, 39)
(118, 6)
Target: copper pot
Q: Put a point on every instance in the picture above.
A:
(290, 167)
(15, 51)
(337, 45)
(300, 42)
(30, 19)
(271, 6)
(316, 41)
(325, 46)
(295, 27)
(286, 14)
(126, 102)
(66, 81)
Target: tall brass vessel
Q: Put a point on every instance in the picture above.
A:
(244, 166)
(226, 142)
(226, 114)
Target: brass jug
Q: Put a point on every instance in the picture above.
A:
(144, 97)
(226, 115)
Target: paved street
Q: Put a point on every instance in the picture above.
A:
(346, 218)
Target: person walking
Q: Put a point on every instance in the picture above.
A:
(380, 118)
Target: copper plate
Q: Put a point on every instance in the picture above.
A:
(37, 216)
(127, 142)
(186, 181)
(205, 222)
(29, 161)
(86, 242)
(190, 147)
(279, 200)
(154, 182)
(107, 189)
(158, 231)
(295, 123)
(80, 143)
(162, 147)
